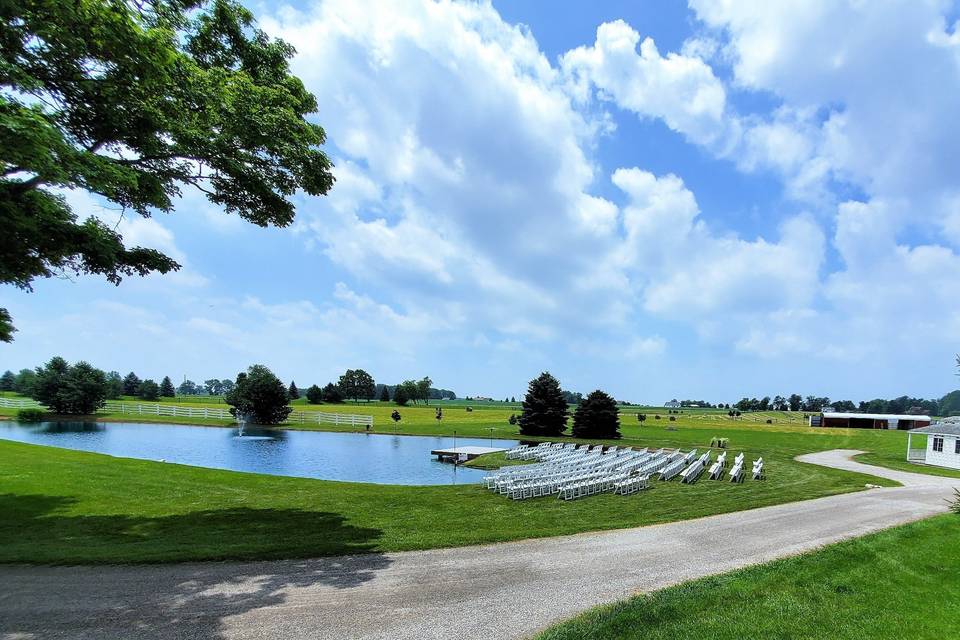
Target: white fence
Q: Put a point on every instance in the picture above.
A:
(177, 411)
(19, 403)
(208, 413)
(214, 413)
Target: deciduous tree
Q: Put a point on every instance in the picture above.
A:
(135, 102)
(357, 384)
(314, 394)
(260, 396)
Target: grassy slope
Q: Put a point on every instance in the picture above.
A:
(899, 583)
(69, 506)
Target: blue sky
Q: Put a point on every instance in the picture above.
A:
(660, 200)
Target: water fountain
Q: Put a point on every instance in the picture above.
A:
(243, 418)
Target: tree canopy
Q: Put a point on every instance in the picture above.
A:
(134, 102)
(314, 394)
(357, 384)
(78, 389)
(149, 390)
(545, 410)
(260, 396)
(166, 388)
(597, 416)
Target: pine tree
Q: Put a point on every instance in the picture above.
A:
(293, 392)
(131, 385)
(544, 409)
(7, 381)
(385, 394)
(166, 388)
(597, 417)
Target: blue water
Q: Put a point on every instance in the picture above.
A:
(353, 457)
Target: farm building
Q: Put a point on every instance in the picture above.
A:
(943, 445)
(868, 420)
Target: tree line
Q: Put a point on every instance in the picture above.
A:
(947, 405)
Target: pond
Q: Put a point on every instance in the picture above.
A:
(353, 457)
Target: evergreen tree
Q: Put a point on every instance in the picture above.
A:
(260, 396)
(149, 390)
(25, 381)
(114, 385)
(293, 392)
(166, 388)
(544, 409)
(597, 417)
(8, 380)
(332, 394)
(131, 385)
(385, 394)
(77, 390)
(314, 394)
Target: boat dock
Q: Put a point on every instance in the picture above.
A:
(456, 454)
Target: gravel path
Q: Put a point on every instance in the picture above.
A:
(494, 591)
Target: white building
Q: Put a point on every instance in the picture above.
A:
(943, 445)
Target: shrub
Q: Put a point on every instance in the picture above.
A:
(30, 415)
(673, 418)
(955, 505)
(512, 419)
(469, 409)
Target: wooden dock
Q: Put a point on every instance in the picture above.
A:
(456, 454)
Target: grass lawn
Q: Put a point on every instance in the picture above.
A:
(62, 506)
(495, 461)
(65, 506)
(899, 583)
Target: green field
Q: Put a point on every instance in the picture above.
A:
(900, 583)
(67, 506)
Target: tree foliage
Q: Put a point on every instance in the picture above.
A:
(24, 382)
(166, 388)
(357, 384)
(314, 394)
(545, 410)
(114, 385)
(133, 102)
(149, 390)
(7, 381)
(332, 393)
(384, 394)
(131, 384)
(78, 389)
(260, 396)
(293, 392)
(597, 416)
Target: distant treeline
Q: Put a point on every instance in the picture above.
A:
(945, 406)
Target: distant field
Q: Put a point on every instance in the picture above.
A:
(899, 583)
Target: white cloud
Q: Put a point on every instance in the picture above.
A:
(680, 89)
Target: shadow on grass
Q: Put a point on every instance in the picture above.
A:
(172, 600)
